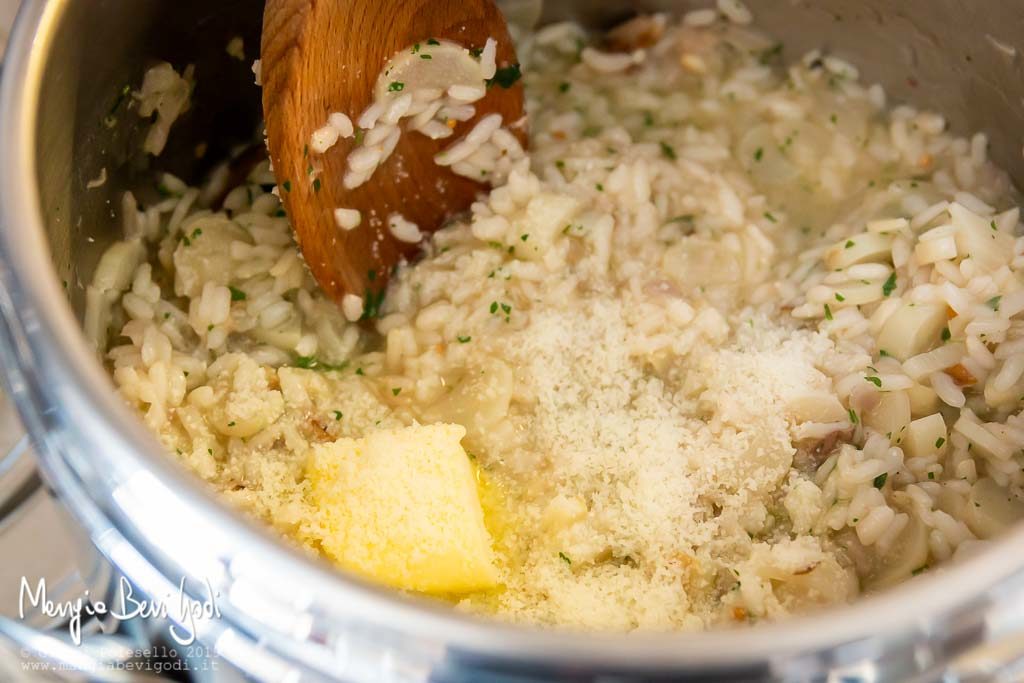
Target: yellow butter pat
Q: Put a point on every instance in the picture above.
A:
(401, 507)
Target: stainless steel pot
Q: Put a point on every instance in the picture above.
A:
(284, 616)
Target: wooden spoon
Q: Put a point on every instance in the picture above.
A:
(325, 56)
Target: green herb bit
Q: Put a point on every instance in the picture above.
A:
(879, 481)
(121, 96)
(850, 244)
(840, 298)
(316, 185)
(648, 119)
(771, 53)
(877, 381)
(372, 302)
(993, 303)
(426, 56)
(853, 416)
(828, 312)
(506, 76)
(759, 154)
(564, 557)
(599, 187)
(464, 340)
(939, 441)
(494, 307)
(668, 151)
(564, 86)
(337, 415)
(993, 226)
(395, 391)
(889, 285)
(432, 41)
(236, 294)
(287, 185)
(396, 86)
(769, 216)
(946, 334)
(882, 353)
(524, 237)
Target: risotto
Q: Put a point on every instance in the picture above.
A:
(734, 339)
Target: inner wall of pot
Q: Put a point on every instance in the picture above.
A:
(941, 54)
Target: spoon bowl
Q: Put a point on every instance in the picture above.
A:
(320, 58)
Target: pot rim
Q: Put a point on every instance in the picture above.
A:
(64, 374)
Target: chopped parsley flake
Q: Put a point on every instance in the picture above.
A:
(889, 285)
(314, 363)
(464, 340)
(338, 415)
(316, 185)
(287, 185)
(828, 312)
(432, 41)
(524, 237)
(396, 86)
(850, 244)
(565, 558)
(759, 154)
(877, 381)
(939, 441)
(372, 302)
(425, 56)
(236, 294)
(769, 216)
(494, 307)
(879, 481)
(853, 416)
(506, 76)
(564, 86)
(771, 53)
(946, 334)
(396, 391)
(993, 303)
(840, 298)
(884, 354)
(993, 225)
(668, 151)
